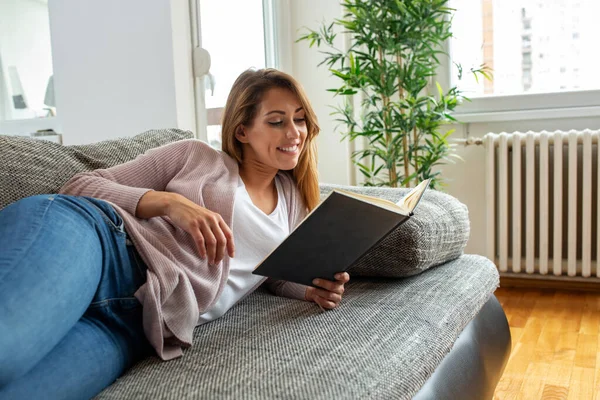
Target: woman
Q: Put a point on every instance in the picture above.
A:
(128, 260)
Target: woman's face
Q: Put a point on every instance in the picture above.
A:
(276, 137)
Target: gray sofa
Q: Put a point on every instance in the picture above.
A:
(418, 319)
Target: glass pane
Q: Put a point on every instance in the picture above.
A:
(235, 43)
(26, 84)
(532, 46)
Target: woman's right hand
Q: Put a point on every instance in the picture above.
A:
(209, 230)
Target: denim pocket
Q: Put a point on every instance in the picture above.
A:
(108, 214)
(122, 303)
(136, 261)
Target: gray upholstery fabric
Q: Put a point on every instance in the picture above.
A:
(29, 167)
(436, 233)
(383, 342)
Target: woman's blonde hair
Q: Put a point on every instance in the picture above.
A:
(241, 108)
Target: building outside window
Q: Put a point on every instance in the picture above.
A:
(532, 46)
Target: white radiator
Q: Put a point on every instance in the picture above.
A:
(542, 202)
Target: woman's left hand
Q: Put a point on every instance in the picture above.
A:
(329, 293)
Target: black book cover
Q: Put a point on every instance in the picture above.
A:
(330, 240)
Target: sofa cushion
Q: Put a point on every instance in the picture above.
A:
(30, 167)
(383, 342)
(436, 233)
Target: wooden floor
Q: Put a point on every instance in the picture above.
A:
(555, 344)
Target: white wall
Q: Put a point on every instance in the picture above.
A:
(124, 67)
(301, 61)
(121, 67)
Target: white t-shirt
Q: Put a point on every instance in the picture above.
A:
(255, 235)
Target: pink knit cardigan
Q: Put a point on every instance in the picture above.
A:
(180, 285)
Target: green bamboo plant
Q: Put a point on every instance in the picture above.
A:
(390, 64)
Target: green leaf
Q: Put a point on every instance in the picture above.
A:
(391, 92)
(339, 74)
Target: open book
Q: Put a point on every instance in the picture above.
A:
(336, 234)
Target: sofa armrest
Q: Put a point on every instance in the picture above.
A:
(438, 232)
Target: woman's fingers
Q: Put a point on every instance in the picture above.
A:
(221, 240)
(342, 277)
(218, 238)
(323, 297)
(199, 239)
(327, 295)
(211, 234)
(336, 286)
(210, 241)
(324, 302)
(228, 237)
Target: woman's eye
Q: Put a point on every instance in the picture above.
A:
(300, 120)
(275, 123)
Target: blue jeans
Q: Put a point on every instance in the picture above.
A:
(69, 323)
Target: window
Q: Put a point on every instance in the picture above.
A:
(235, 44)
(526, 43)
(26, 77)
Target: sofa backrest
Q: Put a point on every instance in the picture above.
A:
(29, 167)
(438, 231)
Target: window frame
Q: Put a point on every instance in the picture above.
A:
(271, 37)
(519, 107)
(572, 104)
(272, 50)
(271, 54)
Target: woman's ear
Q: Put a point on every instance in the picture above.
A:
(240, 134)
